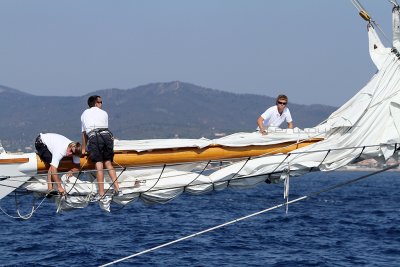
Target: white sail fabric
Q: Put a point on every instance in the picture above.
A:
(396, 27)
(377, 50)
(151, 144)
(276, 135)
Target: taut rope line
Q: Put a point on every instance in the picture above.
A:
(253, 214)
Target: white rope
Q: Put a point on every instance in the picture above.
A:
(251, 215)
(24, 217)
(28, 216)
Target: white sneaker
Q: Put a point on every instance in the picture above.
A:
(95, 197)
(105, 199)
(105, 202)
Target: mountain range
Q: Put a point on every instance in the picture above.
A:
(158, 110)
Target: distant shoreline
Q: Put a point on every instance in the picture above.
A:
(364, 169)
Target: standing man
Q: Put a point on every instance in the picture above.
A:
(99, 141)
(51, 148)
(275, 115)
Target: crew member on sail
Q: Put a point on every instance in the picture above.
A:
(51, 148)
(99, 141)
(275, 115)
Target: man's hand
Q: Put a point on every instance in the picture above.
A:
(71, 172)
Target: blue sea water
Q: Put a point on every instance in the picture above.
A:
(354, 225)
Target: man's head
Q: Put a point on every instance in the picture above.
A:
(281, 102)
(95, 101)
(74, 148)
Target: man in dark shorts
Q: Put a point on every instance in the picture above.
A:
(51, 148)
(100, 142)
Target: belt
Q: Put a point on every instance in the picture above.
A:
(98, 131)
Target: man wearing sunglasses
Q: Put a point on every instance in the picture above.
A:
(100, 143)
(275, 115)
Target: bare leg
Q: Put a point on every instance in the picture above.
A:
(100, 178)
(49, 182)
(112, 174)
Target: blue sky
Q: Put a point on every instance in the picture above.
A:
(315, 51)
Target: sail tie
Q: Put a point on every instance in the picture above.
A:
(200, 173)
(286, 176)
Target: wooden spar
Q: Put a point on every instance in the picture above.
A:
(14, 160)
(184, 155)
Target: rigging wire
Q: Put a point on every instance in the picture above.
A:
(394, 2)
(365, 15)
(313, 194)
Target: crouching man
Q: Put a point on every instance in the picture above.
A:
(51, 148)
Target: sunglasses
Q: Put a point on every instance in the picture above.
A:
(282, 103)
(100, 102)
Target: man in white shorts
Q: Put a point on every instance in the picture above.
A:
(275, 115)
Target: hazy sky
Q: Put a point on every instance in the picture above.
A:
(315, 51)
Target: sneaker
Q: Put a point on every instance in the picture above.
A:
(105, 202)
(52, 193)
(105, 199)
(95, 198)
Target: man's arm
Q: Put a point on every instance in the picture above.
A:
(260, 123)
(84, 142)
(290, 125)
(73, 170)
(53, 171)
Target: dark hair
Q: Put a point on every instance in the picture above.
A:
(78, 148)
(92, 100)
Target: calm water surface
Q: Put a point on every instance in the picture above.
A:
(355, 225)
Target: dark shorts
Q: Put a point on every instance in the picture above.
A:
(101, 147)
(43, 151)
